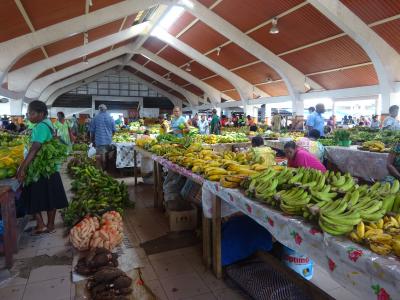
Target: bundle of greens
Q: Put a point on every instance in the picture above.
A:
(47, 161)
(95, 193)
(341, 135)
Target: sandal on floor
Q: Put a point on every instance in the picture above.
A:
(51, 231)
(36, 232)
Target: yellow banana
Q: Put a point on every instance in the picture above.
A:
(396, 247)
(373, 225)
(383, 238)
(234, 178)
(379, 224)
(354, 237)
(382, 249)
(361, 230)
(214, 177)
(228, 184)
(372, 232)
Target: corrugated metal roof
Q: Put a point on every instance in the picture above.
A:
(373, 10)
(348, 78)
(333, 54)
(390, 32)
(304, 26)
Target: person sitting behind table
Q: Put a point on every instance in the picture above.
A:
(312, 145)
(375, 124)
(299, 157)
(257, 141)
(164, 125)
(393, 164)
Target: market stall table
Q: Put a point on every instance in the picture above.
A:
(125, 155)
(8, 189)
(353, 266)
(367, 165)
(275, 144)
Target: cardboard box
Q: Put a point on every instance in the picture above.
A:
(182, 215)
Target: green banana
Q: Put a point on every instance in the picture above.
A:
(388, 202)
(395, 187)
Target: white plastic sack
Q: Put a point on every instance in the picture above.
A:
(92, 151)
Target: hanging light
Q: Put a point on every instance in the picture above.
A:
(90, 3)
(268, 79)
(188, 68)
(168, 77)
(85, 61)
(219, 50)
(274, 29)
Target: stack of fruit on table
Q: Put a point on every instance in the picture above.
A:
(123, 136)
(95, 194)
(145, 142)
(374, 146)
(229, 137)
(334, 201)
(11, 154)
(80, 147)
(228, 167)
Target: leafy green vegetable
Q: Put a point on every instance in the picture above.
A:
(47, 161)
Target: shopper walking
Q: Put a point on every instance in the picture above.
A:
(215, 124)
(178, 123)
(316, 121)
(63, 130)
(203, 125)
(391, 122)
(102, 130)
(46, 194)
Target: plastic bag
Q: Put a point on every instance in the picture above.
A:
(92, 151)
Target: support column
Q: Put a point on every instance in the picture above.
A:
(385, 104)
(16, 107)
(93, 107)
(378, 106)
(298, 111)
(268, 114)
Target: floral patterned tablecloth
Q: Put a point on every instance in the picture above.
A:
(361, 271)
(124, 155)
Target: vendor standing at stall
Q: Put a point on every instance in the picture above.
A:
(215, 125)
(46, 194)
(316, 121)
(391, 122)
(63, 130)
(299, 157)
(178, 123)
(203, 125)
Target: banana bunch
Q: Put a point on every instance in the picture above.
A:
(335, 219)
(370, 209)
(293, 201)
(382, 237)
(231, 181)
(373, 146)
(259, 167)
(214, 173)
(253, 182)
(341, 183)
(266, 190)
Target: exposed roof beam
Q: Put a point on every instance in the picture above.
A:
(175, 100)
(76, 84)
(292, 77)
(214, 94)
(245, 88)
(37, 86)
(385, 59)
(192, 98)
(12, 50)
(81, 76)
(20, 79)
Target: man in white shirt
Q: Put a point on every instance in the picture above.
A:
(391, 122)
(203, 125)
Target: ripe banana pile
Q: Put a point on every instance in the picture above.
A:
(382, 237)
(373, 146)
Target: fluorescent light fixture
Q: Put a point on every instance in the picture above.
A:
(171, 16)
(188, 68)
(274, 29)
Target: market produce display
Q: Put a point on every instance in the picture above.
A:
(90, 233)
(95, 260)
(332, 200)
(11, 154)
(95, 193)
(110, 283)
(123, 137)
(47, 161)
(374, 146)
(80, 147)
(382, 236)
(229, 137)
